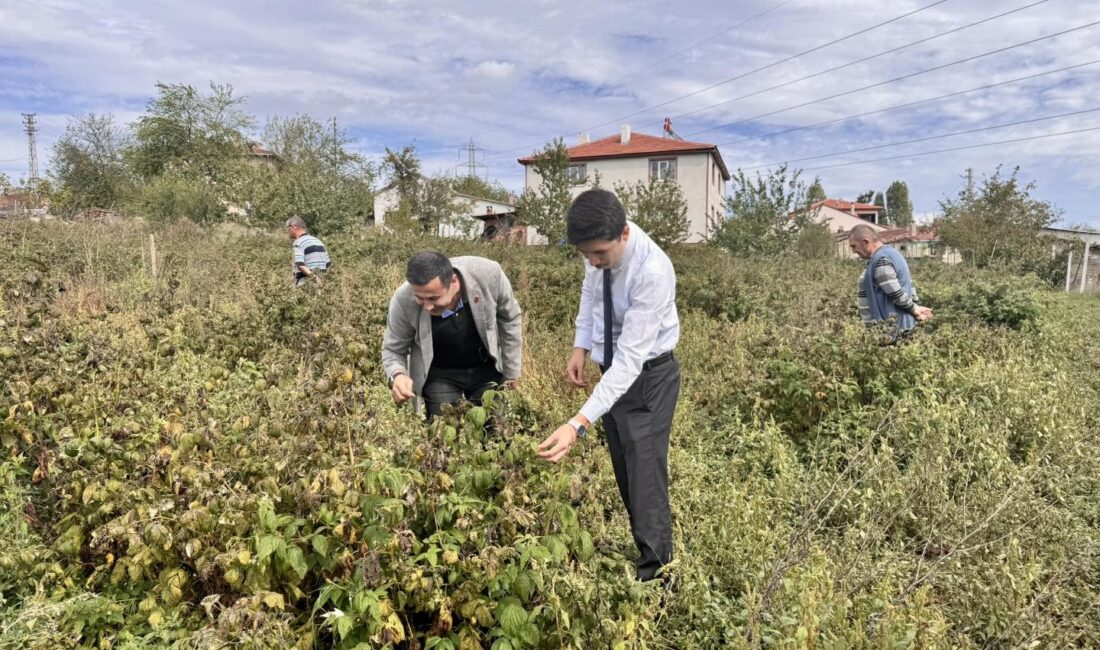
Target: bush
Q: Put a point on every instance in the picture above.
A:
(211, 458)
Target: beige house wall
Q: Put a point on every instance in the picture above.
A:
(698, 174)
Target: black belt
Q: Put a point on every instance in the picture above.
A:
(652, 363)
(656, 361)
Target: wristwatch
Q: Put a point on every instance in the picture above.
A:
(395, 376)
(582, 431)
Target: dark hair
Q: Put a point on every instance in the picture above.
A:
(595, 214)
(426, 266)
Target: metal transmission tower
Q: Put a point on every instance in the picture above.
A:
(32, 154)
(473, 164)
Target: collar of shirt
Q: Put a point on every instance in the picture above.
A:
(628, 254)
(447, 313)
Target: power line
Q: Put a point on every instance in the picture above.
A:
(927, 138)
(906, 104)
(772, 64)
(863, 60)
(705, 40)
(953, 149)
(894, 80)
(754, 71)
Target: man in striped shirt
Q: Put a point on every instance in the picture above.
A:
(310, 254)
(885, 289)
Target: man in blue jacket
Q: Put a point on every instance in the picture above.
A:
(885, 290)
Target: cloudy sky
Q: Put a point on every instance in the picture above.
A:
(767, 80)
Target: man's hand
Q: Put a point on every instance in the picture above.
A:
(575, 369)
(923, 313)
(305, 270)
(402, 389)
(557, 445)
(510, 384)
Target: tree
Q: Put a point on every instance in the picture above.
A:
(403, 169)
(190, 134)
(88, 168)
(999, 224)
(816, 191)
(658, 207)
(317, 177)
(880, 201)
(766, 214)
(899, 207)
(475, 186)
(545, 207)
(5, 184)
(865, 197)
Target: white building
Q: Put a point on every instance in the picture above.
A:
(478, 216)
(632, 157)
(841, 216)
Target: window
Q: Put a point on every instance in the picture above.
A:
(663, 169)
(576, 173)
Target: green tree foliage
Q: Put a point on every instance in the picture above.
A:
(658, 206)
(424, 202)
(402, 167)
(765, 215)
(879, 200)
(865, 197)
(545, 207)
(88, 168)
(479, 187)
(316, 176)
(187, 133)
(816, 191)
(172, 197)
(899, 207)
(999, 224)
(815, 241)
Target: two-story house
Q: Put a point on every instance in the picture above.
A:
(631, 157)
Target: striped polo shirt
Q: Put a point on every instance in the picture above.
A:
(310, 251)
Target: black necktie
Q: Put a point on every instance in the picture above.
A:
(608, 348)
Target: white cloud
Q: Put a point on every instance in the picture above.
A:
(494, 70)
(514, 75)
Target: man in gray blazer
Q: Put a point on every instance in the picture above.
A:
(453, 331)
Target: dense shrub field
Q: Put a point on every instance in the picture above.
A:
(210, 459)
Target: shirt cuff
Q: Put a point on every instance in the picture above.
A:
(592, 411)
(583, 339)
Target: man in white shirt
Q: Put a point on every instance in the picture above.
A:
(628, 323)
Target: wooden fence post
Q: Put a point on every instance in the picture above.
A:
(153, 254)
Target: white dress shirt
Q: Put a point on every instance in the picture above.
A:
(644, 322)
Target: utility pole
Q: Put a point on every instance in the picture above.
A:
(31, 129)
(472, 164)
(969, 183)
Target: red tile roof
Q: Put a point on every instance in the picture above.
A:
(904, 235)
(640, 145)
(896, 235)
(257, 150)
(847, 206)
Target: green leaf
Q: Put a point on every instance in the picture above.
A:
(343, 626)
(296, 560)
(320, 544)
(512, 616)
(268, 520)
(267, 545)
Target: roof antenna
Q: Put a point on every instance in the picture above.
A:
(669, 133)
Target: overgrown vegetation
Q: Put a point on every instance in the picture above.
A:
(210, 459)
(193, 155)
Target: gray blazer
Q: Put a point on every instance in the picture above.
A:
(407, 345)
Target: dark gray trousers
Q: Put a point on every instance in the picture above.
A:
(638, 429)
(451, 385)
